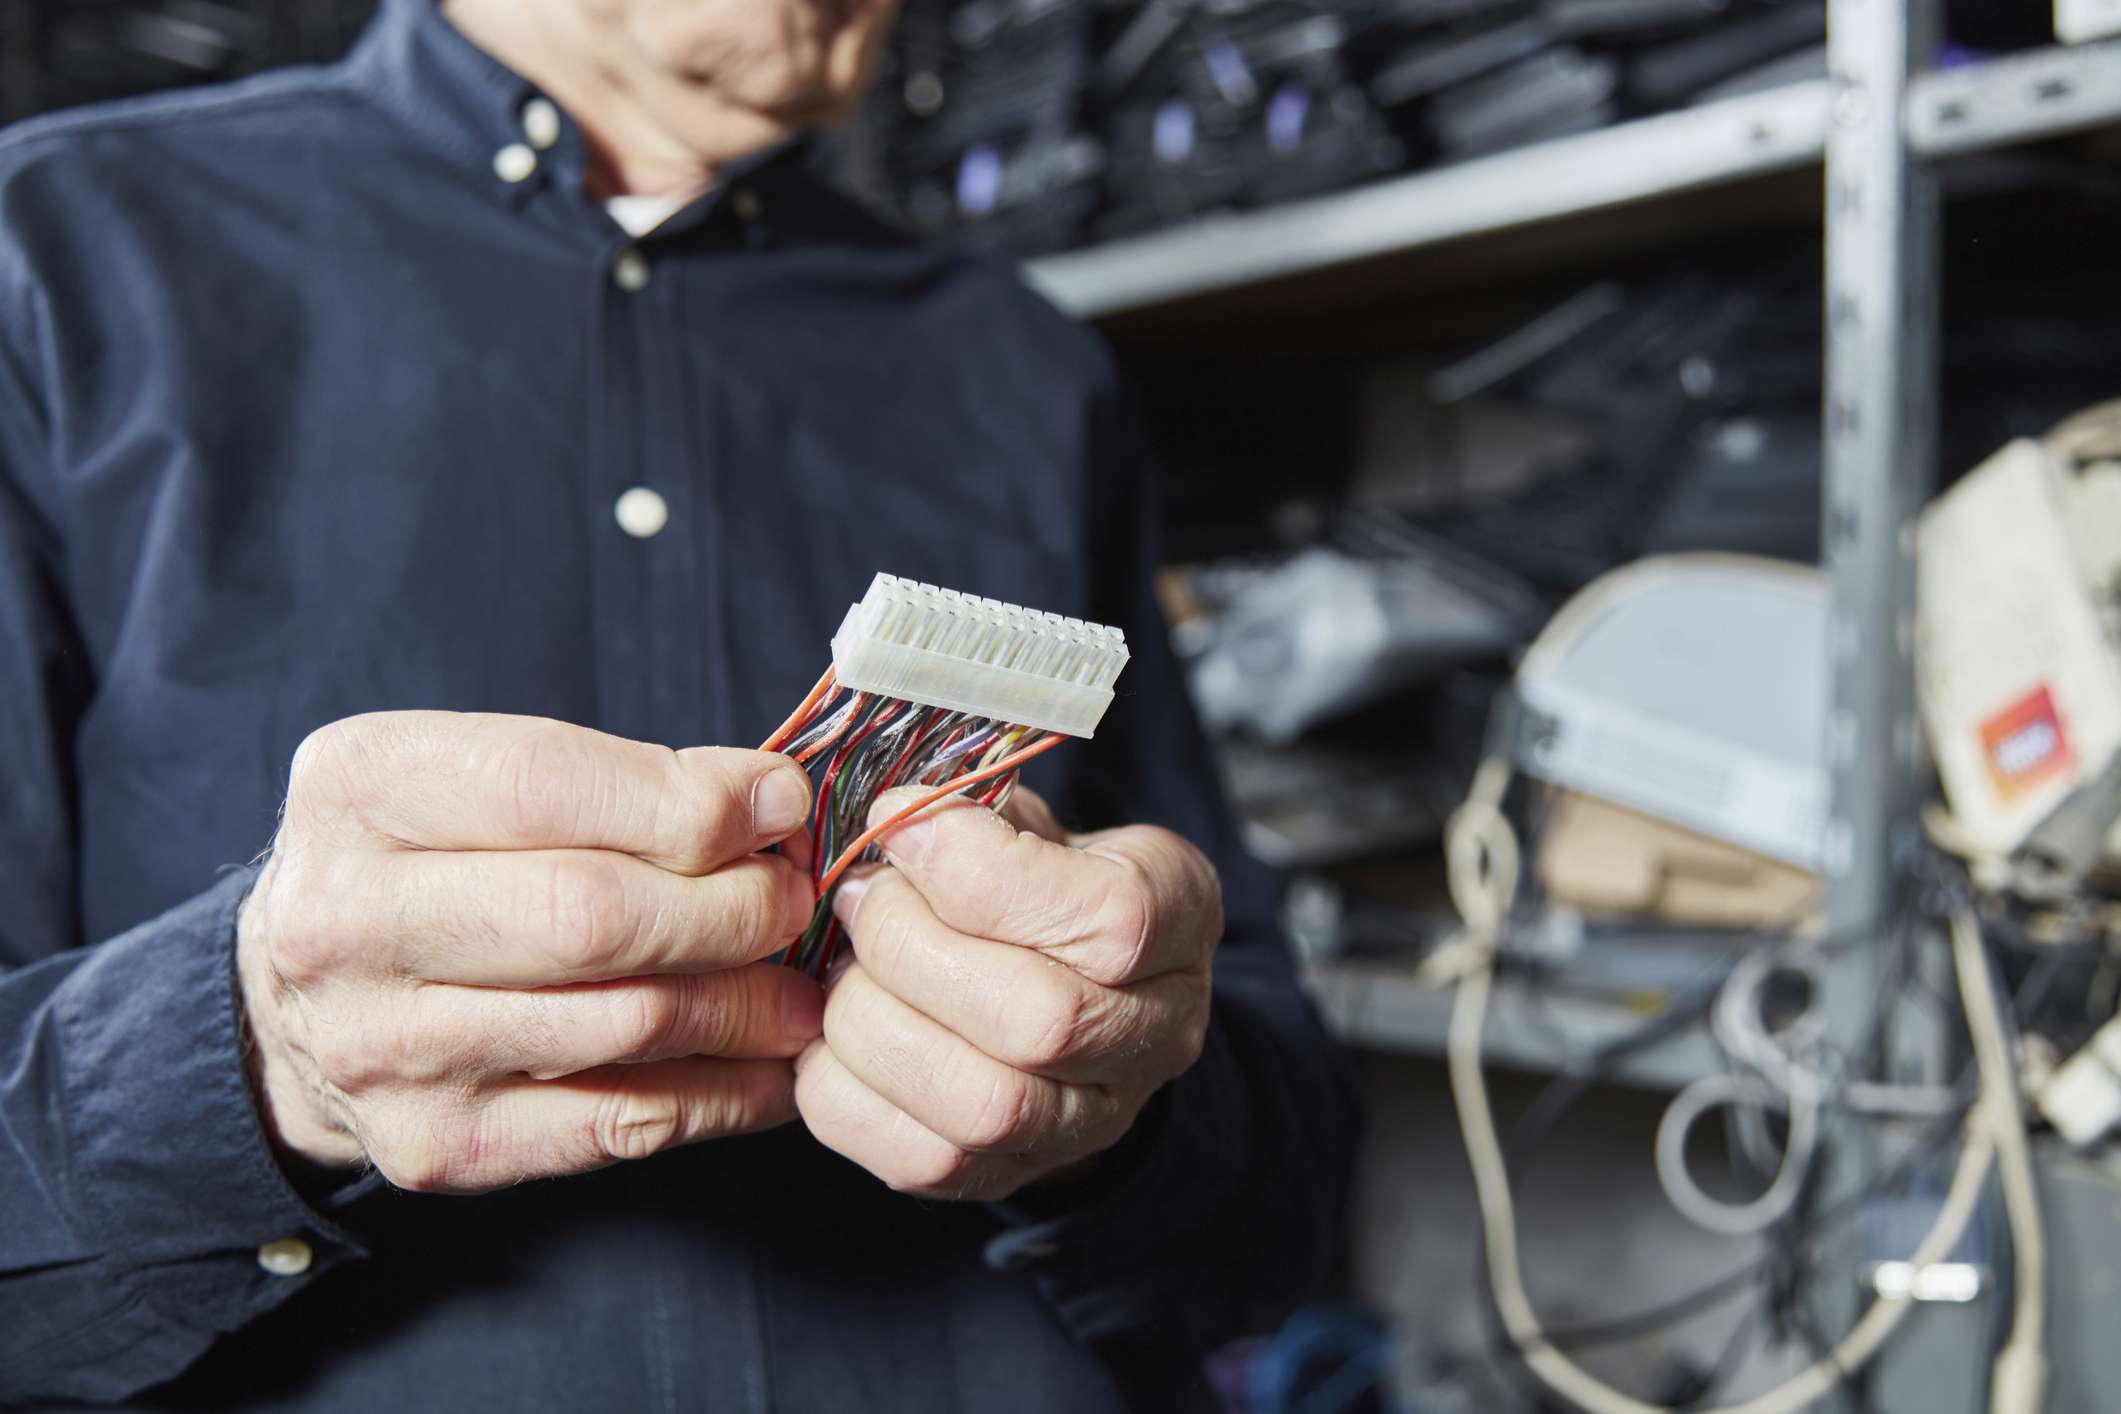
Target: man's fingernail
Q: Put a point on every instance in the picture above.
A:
(780, 801)
(803, 1009)
(800, 902)
(848, 897)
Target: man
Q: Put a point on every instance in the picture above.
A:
(469, 425)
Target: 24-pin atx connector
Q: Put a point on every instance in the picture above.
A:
(931, 687)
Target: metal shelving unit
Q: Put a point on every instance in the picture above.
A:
(1871, 129)
(1379, 1005)
(1715, 145)
(2019, 98)
(2015, 99)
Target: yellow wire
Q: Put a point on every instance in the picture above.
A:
(1003, 745)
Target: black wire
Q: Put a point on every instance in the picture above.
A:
(1537, 1122)
(1675, 1309)
(1785, 1271)
(1562, 1092)
(1752, 1323)
(1651, 1320)
(1821, 1351)
(1571, 1084)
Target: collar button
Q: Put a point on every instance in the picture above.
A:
(541, 123)
(514, 163)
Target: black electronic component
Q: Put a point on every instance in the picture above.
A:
(1673, 73)
(1560, 91)
(1435, 65)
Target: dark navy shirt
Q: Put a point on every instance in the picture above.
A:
(308, 407)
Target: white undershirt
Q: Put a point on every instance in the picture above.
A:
(638, 215)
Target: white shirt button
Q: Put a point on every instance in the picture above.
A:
(541, 123)
(514, 163)
(641, 513)
(289, 1257)
(630, 271)
(746, 204)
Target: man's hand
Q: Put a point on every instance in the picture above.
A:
(1015, 996)
(492, 948)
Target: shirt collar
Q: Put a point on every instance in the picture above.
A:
(470, 106)
(453, 94)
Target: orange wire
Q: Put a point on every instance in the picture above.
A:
(796, 718)
(818, 748)
(862, 841)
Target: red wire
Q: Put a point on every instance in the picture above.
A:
(1003, 767)
(829, 946)
(913, 742)
(832, 775)
(800, 717)
(853, 710)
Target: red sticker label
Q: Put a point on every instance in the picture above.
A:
(2024, 744)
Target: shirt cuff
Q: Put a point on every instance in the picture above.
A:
(195, 1222)
(1116, 1253)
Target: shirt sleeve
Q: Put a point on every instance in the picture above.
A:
(1223, 1210)
(136, 1183)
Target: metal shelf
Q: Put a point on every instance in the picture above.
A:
(1381, 1006)
(1713, 145)
(1866, 131)
(2020, 98)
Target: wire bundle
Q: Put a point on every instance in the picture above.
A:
(1482, 855)
(858, 745)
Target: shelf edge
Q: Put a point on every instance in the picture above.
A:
(2017, 98)
(1712, 145)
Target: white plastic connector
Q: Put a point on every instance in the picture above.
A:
(2082, 1099)
(940, 648)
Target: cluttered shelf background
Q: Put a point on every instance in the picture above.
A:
(1460, 326)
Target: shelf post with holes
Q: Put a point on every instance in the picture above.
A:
(1881, 321)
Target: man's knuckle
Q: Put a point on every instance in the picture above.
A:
(1056, 1029)
(1193, 1038)
(301, 956)
(1131, 915)
(733, 1109)
(631, 1125)
(579, 911)
(937, 1170)
(717, 790)
(406, 1166)
(323, 760)
(888, 925)
(751, 909)
(389, 1048)
(649, 1019)
(1008, 1118)
(342, 1061)
(717, 1012)
(1200, 899)
(430, 1157)
(544, 782)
